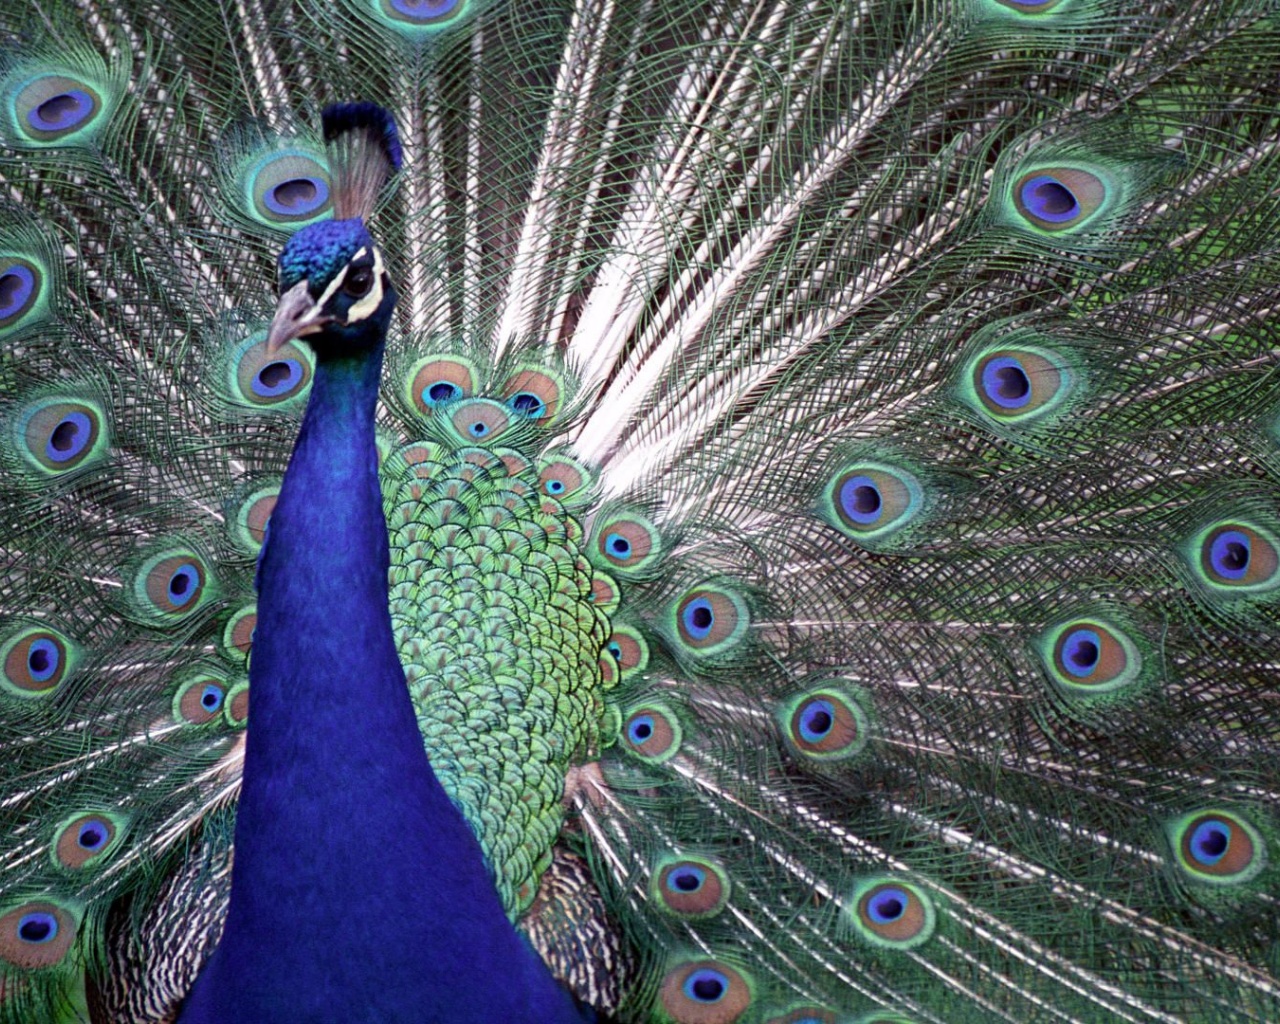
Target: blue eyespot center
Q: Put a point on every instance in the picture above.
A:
(17, 284)
(614, 648)
(1048, 199)
(37, 927)
(526, 403)
(440, 392)
(1229, 554)
(699, 618)
(618, 545)
(58, 113)
(860, 499)
(555, 486)
(478, 429)
(887, 905)
(69, 438)
(183, 584)
(277, 378)
(687, 878)
(211, 697)
(92, 835)
(297, 196)
(1210, 842)
(816, 720)
(706, 986)
(43, 659)
(1005, 382)
(1031, 6)
(1081, 651)
(424, 10)
(640, 729)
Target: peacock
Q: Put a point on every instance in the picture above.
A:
(807, 471)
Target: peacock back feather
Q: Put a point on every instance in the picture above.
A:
(829, 454)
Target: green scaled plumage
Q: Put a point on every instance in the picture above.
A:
(830, 455)
(491, 604)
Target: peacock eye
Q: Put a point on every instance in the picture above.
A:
(358, 282)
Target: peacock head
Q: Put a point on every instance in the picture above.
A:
(334, 290)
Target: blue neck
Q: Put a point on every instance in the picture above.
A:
(358, 892)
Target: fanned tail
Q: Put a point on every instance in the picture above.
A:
(830, 456)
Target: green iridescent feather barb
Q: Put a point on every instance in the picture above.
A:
(828, 454)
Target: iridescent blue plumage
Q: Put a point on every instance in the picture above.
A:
(359, 892)
(319, 252)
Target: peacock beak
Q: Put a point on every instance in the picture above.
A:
(297, 314)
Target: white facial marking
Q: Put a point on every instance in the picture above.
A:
(365, 306)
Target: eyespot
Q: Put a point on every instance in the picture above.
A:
(872, 501)
(1217, 846)
(22, 283)
(287, 189)
(605, 594)
(892, 913)
(200, 699)
(237, 636)
(248, 526)
(705, 992)
(82, 841)
(652, 733)
(261, 379)
(358, 282)
(1237, 557)
(1089, 656)
(57, 109)
(532, 394)
(824, 724)
(36, 934)
(561, 478)
(37, 660)
(175, 583)
(235, 709)
(1058, 198)
(439, 380)
(626, 541)
(692, 888)
(171, 585)
(480, 420)
(1017, 384)
(629, 650)
(421, 15)
(710, 619)
(59, 435)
